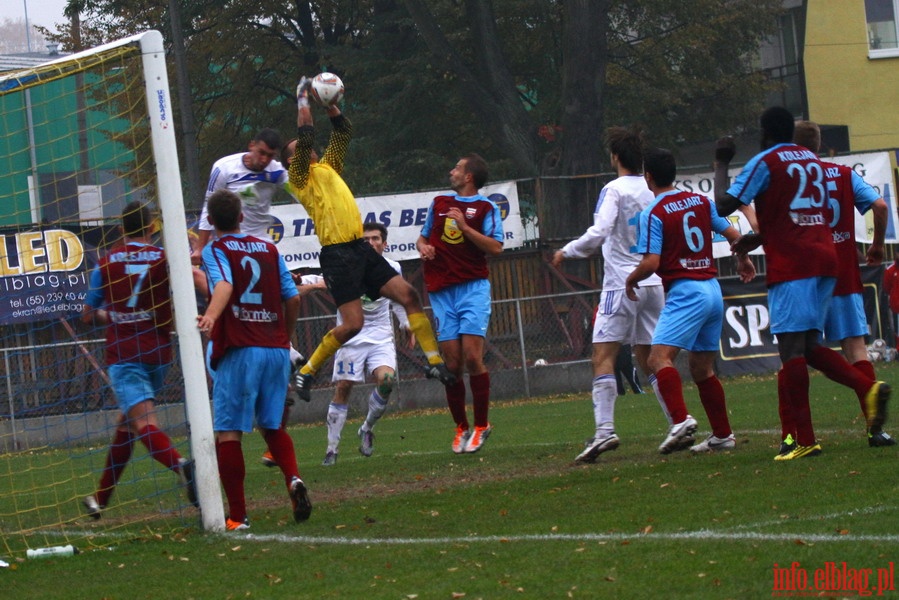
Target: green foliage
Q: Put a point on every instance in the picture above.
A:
(681, 69)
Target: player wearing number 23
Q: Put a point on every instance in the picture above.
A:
(789, 186)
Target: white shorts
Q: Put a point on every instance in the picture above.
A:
(358, 361)
(618, 319)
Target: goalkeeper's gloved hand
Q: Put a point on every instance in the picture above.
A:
(303, 92)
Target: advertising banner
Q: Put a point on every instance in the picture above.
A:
(403, 215)
(873, 167)
(747, 344)
(43, 272)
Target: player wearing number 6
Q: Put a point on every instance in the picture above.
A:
(789, 186)
(251, 318)
(675, 238)
(129, 292)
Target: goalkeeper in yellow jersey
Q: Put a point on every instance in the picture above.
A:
(349, 264)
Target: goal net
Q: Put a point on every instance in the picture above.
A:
(81, 137)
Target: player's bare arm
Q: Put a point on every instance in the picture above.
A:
(745, 266)
(880, 211)
(647, 267)
(291, 313)
(558, 257)
(725, 149)
(217, 305)
(425, 250)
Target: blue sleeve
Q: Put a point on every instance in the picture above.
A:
(752, 180)
(653, 243)
(288, 287)
(493, 224)
(217, 266)
(94, 297)
(864, 193)
(429, 222)
(719, 223)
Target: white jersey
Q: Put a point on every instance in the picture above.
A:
(615, 229)
(377, 327)
(255, 188)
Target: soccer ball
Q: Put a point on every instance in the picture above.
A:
(327, 89)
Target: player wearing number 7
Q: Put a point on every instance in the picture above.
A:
(675, 238)
(129, 292)
(789, 186)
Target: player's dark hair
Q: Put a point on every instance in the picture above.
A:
(477, 167)
(807, 134)
(136, 219)
(777, 125)
(224, 209)
(627, 145)
(660, 163)
(286, 154)
(379, 227)
(269, 137)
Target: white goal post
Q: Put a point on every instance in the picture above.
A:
(81, 136)
(171, 203)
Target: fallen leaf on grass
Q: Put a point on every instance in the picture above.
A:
(458, 594)
(647, 529)
(664, 485)
(235, 549)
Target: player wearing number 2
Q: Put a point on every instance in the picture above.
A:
(250, 320)
(676, 243)
(129, 292)
(789, 186)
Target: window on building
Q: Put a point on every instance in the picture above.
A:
(883, 35)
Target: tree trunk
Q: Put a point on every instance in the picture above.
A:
(565, 210)
(185, 104)
(491, 92)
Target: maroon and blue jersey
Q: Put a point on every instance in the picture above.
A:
(848, 193)
(789, 186)
(261, 282)
(456, 259)
(132, 283)
(678, 227)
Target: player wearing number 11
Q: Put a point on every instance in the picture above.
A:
(789, 186)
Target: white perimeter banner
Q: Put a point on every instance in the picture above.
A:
(403, 214)
(873, 167)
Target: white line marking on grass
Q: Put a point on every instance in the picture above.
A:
(702, 534)
(868, 510)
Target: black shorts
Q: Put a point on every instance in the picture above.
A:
(354, 269)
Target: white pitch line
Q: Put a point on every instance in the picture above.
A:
(868, 510)
(702, 534)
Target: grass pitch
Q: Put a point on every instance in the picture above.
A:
(520, 520)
